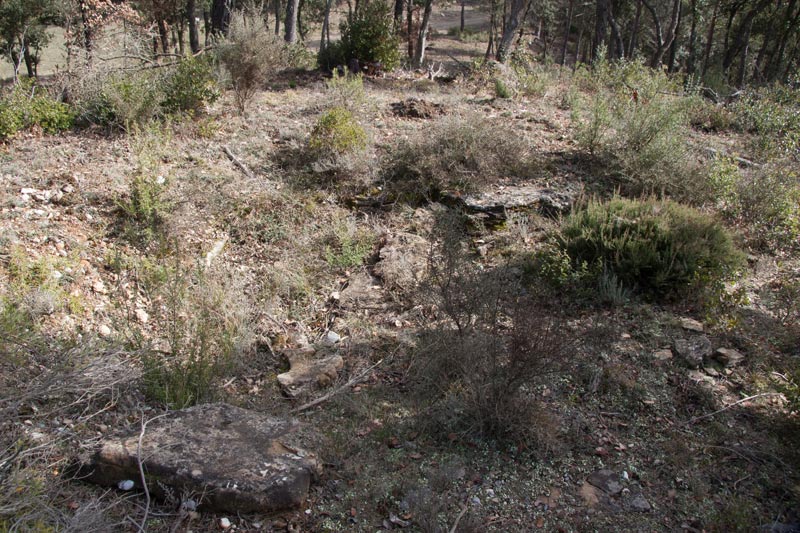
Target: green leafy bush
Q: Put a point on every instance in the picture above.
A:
(501, 89)
(337, 132)
(118, 101)
(657, 247)
(28, 105)
(190, 86)
(772, 114)
(368, 36)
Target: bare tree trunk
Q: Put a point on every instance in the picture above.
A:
(492, 31)
(742, 39)
(191, 17)
(616, 35)
(634, 41)
(663, 41)
(691, 60)
(277, 6)
(463, 16)
(511, 24)
(163, 35)
(673, 49)
(220, 17)
(326, 21)
(743, 58)
(410, 30)
(290, 25)
(398, 14)
(570, 11)
(422, 41)
(710, 39)
(600, 26)
(88, 37)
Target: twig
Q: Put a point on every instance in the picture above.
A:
(334, 392)
(238, 163)
(141, 470)
(458, 519)
(740, 160)
(718, 411)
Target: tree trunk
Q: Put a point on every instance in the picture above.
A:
(673, 49)
(410, 29)
(302, 30)
(743, 58)
(790, 24)
(600, 26)
(277, 6)
(578, 45)
(710, 39)
(163, 35)
(634, 42)
(742, 39)
(290, 25)
(88, 38)
(398, 14)
(326, 22)
(570, 11)
(191, 17)
(422, 41)
(492, 31)
(616, 35)
(463, 15)
(220, 17)
(691, 60)
(663, 41)
(511, 23)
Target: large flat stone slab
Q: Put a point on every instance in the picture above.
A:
(496, 204)
(229, 459)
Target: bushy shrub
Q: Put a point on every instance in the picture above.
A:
(337, 132)
(484, 348)
(764, 202)
(638, 121)
(772, 114)
(368, 36)
(117, 100)
(28, 105)
(205, 328)
(501, 90)
(657, 247)
(456, 153)
(249, 54)
(190, 86)
(345, 91)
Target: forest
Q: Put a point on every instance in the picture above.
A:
(362, 265)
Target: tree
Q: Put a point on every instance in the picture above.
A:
(292, 7)
(23, 31)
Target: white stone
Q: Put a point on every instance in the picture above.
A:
(142, 316)
(224, 523)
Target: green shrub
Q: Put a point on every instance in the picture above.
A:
(455, 153)
(10, 120)
(638, 120)
(772, 114)
(336, 133)
(205, 329)
(120, 100)
(501, 89)
(143, 208)
(657, 247)
(190, 86)
(52, 116)
(346, 91)
(368, 37)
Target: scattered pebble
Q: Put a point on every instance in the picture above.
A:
(224, 523)
(104, 331)
(125, 484)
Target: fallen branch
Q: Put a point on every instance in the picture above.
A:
(141, 470)
(235, 160)
(742, 161)
(336, 391)
(458, 519)
(718, 411)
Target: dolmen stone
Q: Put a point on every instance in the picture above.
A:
(229, 459)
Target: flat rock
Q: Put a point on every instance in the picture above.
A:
(607, 481)
(690, 324)
(663, 355)
(308, 371)
(693, 351)
(230, 459)
(403, 261)
(495, 205)
(363, 291)
(417, 108)
(729, 357)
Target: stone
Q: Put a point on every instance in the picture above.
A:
(495, 205)
(307, 371)
(693, 351)
(104, 331)
(224, 523)
(591, 495)
(690, 324)
(142, 316)
(417, 108)
(711, 371)
(607, 481)
(403, 261)
(729, 357)
(663, 355)
(639, 503)
(331, 338)
(363, 291)
(249, 462)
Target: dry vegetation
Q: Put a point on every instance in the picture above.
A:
(143, 268)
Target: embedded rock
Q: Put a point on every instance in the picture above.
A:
(495, 205)
(607, 481)
(307, 371)
(403, 261)
(729, 357)
(417, 108)
(363, 291)
(693, 351)
(234, 459)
